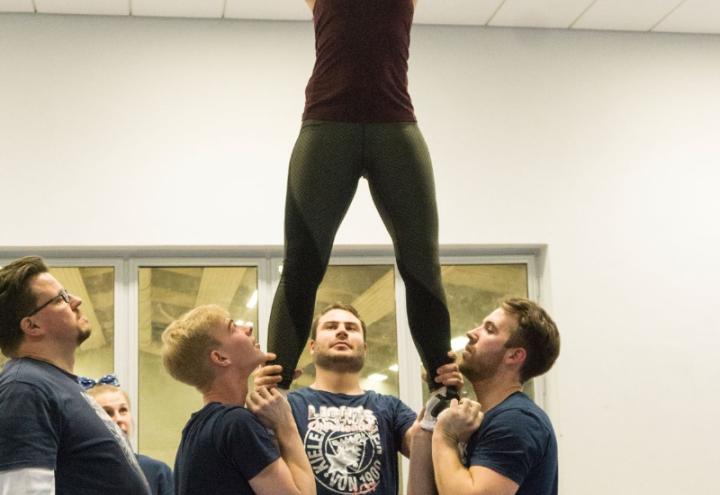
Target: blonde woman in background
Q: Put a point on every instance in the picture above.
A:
(116, 404)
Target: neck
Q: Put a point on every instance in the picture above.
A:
(492, 391)
(63, 360)
(337, 382)
(227, 389)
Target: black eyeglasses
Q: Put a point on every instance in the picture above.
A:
(63, 294)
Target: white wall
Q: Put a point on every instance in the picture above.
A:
(602, 146)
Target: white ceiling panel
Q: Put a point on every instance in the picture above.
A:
(693, 16)
(287, 10)
(16, 6)
(84, 7)
(179, 8)
(539, 13)
(463, 12)
(625, 15)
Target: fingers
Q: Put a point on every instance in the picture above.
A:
(251, 401)
(268, 370)
(449, 375)
(270, 356)
(263, 392)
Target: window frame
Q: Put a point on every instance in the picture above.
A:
(127, 262)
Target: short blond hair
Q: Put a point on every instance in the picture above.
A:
(187, 343)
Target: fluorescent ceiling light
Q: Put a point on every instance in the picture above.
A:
(458, 343)
(252, 302)
(377, 377)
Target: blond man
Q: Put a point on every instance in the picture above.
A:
(225, 448)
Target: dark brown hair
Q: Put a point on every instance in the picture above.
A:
(536, 333)
(336, 305)
(16, 299)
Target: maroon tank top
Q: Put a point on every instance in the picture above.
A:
(360, 74)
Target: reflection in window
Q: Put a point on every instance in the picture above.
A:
(165, 293)
(371, 290)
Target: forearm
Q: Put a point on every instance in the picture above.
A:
(293, 453)
(421, 480)
(451, 477)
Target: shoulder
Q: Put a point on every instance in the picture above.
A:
(26, 371)
(225, 415)
(152, 464)
(236, 423)
(302, 393)
(389, 402)
(17, 394)
(520, 409)
(518, 420)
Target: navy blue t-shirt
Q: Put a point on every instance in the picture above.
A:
(517, 440)
(352, 441)
(222, 448)
(48, 421)
(158, 475)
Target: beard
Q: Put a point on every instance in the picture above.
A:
(340, 364)
(482, 368)
(83, 334)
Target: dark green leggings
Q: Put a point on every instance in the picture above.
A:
(326, 164)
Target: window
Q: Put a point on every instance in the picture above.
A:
(164, 294)
(130, 301)
(371, 290)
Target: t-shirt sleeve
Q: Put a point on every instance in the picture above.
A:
(27, 428)
(511, 445)
(165, 481)
(403, 419)
(246, 443)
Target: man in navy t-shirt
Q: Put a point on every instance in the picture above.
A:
(53, 437)
(503, 444)
(351, 436)
(226, 449)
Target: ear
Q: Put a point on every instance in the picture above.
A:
(516, 355)
(311, 346)
(29, 327)
(217, 358)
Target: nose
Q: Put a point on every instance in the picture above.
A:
(248, 328)
(471, 335)
(75, 301)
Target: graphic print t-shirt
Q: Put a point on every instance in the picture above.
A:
(352, 441)
(48, 421)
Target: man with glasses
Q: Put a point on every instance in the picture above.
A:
(53, 437)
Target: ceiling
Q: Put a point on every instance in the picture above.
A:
(680, 16)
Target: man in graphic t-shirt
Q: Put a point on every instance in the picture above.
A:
(351, 436)
(53, 437)
(508, 441)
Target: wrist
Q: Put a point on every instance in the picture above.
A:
(286, 426)
(443, 436)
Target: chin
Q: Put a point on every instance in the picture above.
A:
(83, 335)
